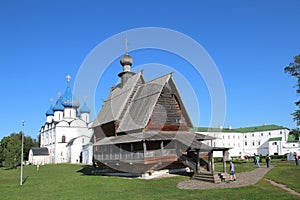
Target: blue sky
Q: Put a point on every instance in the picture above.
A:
(250, 42)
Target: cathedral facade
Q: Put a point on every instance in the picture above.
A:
(66, 130)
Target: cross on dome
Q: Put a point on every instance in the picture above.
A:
(68, 77)
(126, 45)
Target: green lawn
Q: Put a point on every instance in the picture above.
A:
(69, 182)
(287, 173)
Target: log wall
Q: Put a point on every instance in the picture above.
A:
(167, 114)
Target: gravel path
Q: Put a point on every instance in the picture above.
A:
(242, 179)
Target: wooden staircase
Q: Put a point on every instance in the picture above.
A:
(209, 177)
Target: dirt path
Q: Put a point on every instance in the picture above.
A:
(243, 179)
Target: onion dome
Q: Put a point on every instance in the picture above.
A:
(58, 105)
(67, 99)
(85, 109)
(50, 111)
(126, 61)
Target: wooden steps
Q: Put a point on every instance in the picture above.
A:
(209, 177)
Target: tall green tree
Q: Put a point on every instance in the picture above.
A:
(294, 70)
(10, 149)
(296, 133)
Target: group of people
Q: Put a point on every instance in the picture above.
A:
(256, 159)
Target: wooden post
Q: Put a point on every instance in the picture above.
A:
(120, 151)
(144, 148)
(131, 150)
(198, 161)
(162, 147)
(224, 162)
(110, 152)
(212, 162)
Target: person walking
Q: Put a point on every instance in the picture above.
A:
(257, 158)
(296, 158)
(232, 174)
(254, 159)
(268, 158)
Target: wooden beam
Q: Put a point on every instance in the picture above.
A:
(211, 161)
(198, 161)
(224, 162)
(144, 146)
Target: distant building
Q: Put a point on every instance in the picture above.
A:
(67, 129)
(38, 156)
(265, 139)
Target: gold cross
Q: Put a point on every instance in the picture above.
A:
(68, 78)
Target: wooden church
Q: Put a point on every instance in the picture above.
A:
(144, 126)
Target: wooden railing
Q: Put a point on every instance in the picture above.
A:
(140, 155)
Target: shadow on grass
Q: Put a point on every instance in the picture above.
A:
(86, 170)
(25, 180)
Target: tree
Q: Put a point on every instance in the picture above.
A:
(294, 70)
(10, 149)
(295, 132)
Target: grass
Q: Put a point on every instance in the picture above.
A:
(73, 182)
(287, 173)
(240, 166)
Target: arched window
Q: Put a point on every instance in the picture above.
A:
(63, 139)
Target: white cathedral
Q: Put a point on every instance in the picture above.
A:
(66, 133)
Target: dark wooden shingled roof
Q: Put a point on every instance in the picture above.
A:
(140, 107)
(40, 151)
(116, 101)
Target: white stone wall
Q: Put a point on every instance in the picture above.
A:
(87, 154)
(52, 135)
(242, 144)
(41, 160)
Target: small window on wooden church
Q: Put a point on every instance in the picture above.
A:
(63, 139)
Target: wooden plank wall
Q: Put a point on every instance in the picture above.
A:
(167, 115)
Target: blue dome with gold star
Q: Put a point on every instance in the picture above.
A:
(50, 111)
(58, 105)
(85, 109)
(68, 100)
